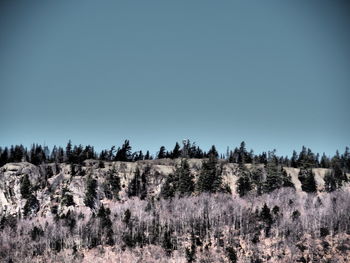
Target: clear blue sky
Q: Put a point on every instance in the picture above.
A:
(273, 73)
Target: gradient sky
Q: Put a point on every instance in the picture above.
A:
(273, 73)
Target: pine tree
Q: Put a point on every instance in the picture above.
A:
(31, 206)
(294, 159)
(307, 179)
(113, 186)
(210, 178)
(330, 184)
(242, 153)
(25, 188)
(135, 184)
(147, 156)
(138, 184)
(161, 153)
(169, 187)
(276, 177)
(180, 182)
(244, 184)
(69, 151)
(176, 153)
(185, 179)
(91, 193)
(213, 152)
(4, 157)
(124, 153)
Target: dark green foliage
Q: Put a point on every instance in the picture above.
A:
(4, 156)
(167, 242)
(190, 255)
(9, 220)
(191, 252)
(324, 231)
(69, 152)
(295, 215)
(138, 184)
(124, 153)
(275, 210)
(69, 220)
(103, 214)
(161, 153)
(185, 181)
(112, 186)
(90, 194)
(36, 233)
(56, 245)
(31, 206)
(330, 182)
(213, 152)
(72, 169)
(242, 154)
(169, 187)
(307, 159)
(26, 187)
(276, 177)
(176, 153)
(244, 184)
(106, 225)
(231, 254)
(266, 217)
(294, 160)
(101, 164)
(37, 154)
(127, 217)
(49, 172)
(210, 178)
(335, 179)
(325, 162)
(180, 182)
(307, 179)
(67, 198)
(148, 156)
(54, 209)
(128, 239)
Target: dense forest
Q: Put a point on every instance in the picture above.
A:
(185, 205)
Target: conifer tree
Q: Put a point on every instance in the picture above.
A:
(147, 156)
(325, 162)
(213, 152)
(90, 194)
(124, 153)
(276, 177)
(25, 188)
(138, 184)
(113, 186)
(168, 188)
(210, 178)
(69, 151)
(244, 184)
(307, 179)
(161, 153)
(135, 184)
(185, 179)
(176, 153)
(180, 182)
(294, 160)
(330, 184)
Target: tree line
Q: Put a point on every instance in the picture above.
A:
(77, 154)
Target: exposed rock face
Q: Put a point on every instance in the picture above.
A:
(299, 227)
(11, 174)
